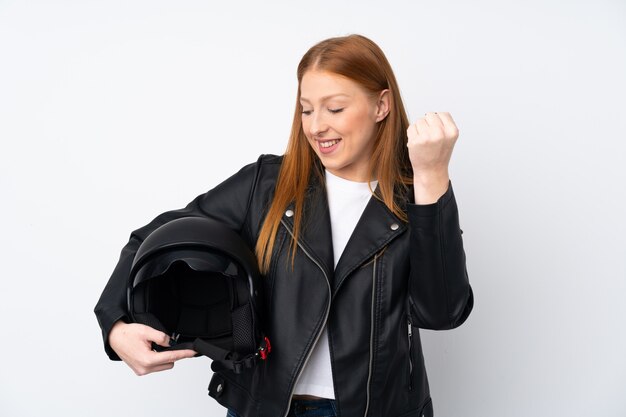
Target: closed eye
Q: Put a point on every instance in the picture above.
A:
(333, 111)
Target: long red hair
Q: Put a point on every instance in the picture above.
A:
(362, 61)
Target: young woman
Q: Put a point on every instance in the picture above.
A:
(357, 234)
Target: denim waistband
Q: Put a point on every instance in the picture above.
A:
(313, 408)
(307, 408)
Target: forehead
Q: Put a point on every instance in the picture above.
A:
(321, 85)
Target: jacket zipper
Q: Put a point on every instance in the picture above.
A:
(317, 337)
(410, 334)
(369, 374)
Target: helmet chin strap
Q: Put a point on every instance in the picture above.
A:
(232, 361)
(223, 359)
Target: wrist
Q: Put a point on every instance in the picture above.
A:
(428, 188)
(117, 327)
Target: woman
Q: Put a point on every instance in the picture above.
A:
(356, 231)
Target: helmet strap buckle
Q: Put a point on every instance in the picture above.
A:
(265, 349)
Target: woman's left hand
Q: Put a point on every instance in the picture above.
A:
(431, 140)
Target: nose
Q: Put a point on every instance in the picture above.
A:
(318, 124)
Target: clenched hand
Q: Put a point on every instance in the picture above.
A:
(431, 140)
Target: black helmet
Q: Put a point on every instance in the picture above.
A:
(196, 280)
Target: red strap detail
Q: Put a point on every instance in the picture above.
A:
(265, 350)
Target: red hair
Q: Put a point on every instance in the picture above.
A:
(362, 61)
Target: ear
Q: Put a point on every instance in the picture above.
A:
(383, 105)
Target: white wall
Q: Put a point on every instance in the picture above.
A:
(112, 112)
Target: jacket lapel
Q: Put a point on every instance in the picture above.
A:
(315, 235)
(375, 229)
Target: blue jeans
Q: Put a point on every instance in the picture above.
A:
(306, 408)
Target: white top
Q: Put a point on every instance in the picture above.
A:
(346, 202)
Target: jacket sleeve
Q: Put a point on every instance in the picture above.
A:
(228, 202)
(440, 295)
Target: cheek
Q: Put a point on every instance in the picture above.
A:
(348, 125)
(305, 128)
(359, 126)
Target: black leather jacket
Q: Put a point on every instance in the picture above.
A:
(392, 278)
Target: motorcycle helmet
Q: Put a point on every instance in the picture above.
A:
(196, 280)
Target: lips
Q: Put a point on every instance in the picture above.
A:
(328, 145)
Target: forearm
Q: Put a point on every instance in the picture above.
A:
(439, 287)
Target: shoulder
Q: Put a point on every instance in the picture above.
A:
(269, 164)
(254, 180)
(266, 167)
(264, 161)
(237, 199)
(270, 159)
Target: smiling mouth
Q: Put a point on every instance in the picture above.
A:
(328, 143)
(327, 146)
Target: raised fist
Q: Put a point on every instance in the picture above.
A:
(430, 141)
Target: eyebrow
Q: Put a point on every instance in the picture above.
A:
(326, 97)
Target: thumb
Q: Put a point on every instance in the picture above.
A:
(157, 336)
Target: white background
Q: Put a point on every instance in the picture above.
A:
(112, 112)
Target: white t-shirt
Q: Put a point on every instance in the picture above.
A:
(346, 202)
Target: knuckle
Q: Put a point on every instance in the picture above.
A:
(452, 134)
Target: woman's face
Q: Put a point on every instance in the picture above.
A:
(339, 120)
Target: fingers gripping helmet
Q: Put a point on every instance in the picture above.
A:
(196, 280)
